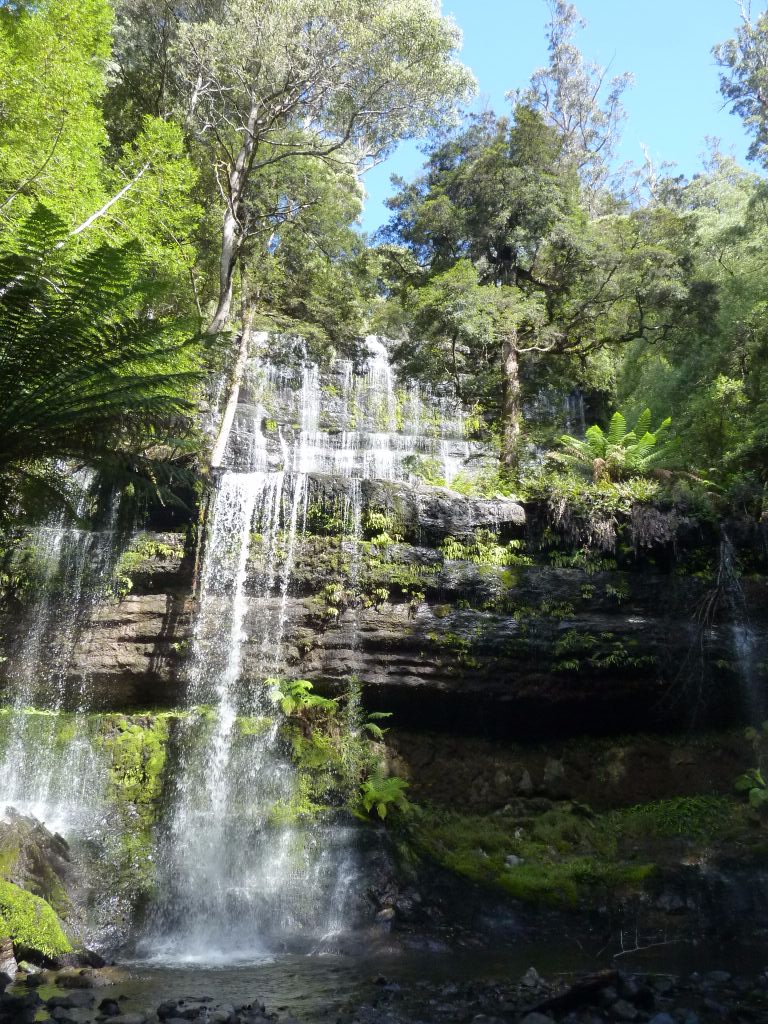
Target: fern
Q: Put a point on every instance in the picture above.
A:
(620, 453)
(295, 696)
(384, 794)
(89, 375)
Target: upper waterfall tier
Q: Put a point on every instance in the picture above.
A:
(347, 421)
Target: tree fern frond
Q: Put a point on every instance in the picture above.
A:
(617, 428)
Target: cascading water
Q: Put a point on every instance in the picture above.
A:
(743, 639)
(50, 768)
(237, 881)
(236, 873)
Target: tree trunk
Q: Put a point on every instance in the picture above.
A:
(228, 418)
(231, 232)
(230, 247)
(512, 413)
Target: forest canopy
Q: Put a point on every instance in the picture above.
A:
(174, 176)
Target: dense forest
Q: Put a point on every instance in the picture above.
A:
(163, 198)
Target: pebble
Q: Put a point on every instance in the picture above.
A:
(531, 978)
(622, 1010)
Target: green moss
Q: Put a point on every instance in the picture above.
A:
(140, 551)
(30, 922)
(249, 725)
(559, 857)
(706, 818)
(136, 747)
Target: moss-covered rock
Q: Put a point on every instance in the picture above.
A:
(34, 859)
(561, 854)
(30, 923)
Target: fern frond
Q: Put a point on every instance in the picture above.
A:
(617, 428)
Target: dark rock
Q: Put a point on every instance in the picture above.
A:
(583, 992)
(531, 978)
(662, 1018)
(537, 1018)
(663, 984)
(608, 995)
(75, 999)
(622, 1010)
(71, 1015)
(717, 977)
(8, 965)
(671, 903)
(111, 1008)
(19, 1009)
(167, 1009)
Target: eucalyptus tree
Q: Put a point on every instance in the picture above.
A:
(265, 81)
(744, 78)
(580, 101)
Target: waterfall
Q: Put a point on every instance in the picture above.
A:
(49, 767)
(743, 639)
(235, 881)
(237, 876)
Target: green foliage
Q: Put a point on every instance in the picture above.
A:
(295, 696)
(383, 528)
(561, 857)
(89, 376)
(141, 550)
(696, 817)
(384, 793)
(752, 782)
(30, 922)
(754, 785)
(53, 56)
(620, 453)
(484, 549)
(426, 469)
(574, 651)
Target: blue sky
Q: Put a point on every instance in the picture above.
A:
(672, 107)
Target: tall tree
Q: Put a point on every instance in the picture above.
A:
(499, 218)
(744, 80)
(342, 80)
(580, 101)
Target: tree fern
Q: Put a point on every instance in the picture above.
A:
(620, 452)
(89, 375)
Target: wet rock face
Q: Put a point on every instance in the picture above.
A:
(453, 770)
(438, 633)
(428, 514)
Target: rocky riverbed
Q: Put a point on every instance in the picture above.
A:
(607, 996)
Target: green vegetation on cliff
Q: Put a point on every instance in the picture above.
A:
(564, 854)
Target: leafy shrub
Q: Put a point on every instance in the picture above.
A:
(296, 695)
